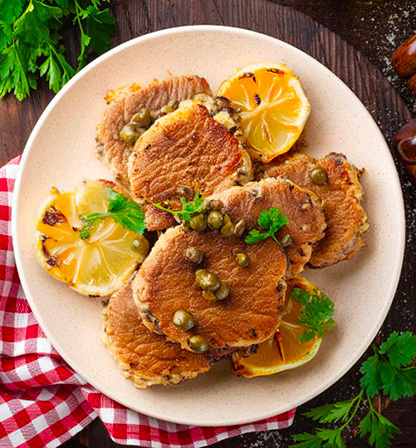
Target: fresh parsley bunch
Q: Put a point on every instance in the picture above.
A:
(388, 372)
(123, 211)
(185, 214)
(31, 41)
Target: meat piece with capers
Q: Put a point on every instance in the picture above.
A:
(337, 183)
(243, 206)
(201, 296)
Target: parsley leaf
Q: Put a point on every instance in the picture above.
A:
(387, 370)
(316, 313)
(123, 211)
(31, 41)
(57, 70)
(271, 219)
(331, 413)
(399, 348)
(398, 382)
(197, 205)
(371, 379)
(307, 440)
(379, 429)
(101, 25)
(332, 436)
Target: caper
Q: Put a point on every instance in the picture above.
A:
(193, 254)
(239, 228)
(198, 344)
(130, 134)
(222, 292)
(319, 177)
(198, 223)
(215, 220)
(286, 240)
(209, 296)
(242, 259)
(142, 118)
(227, 228)
(207, 280)
(140, 245)
(183, 320)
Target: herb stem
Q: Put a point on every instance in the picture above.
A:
(160, 207)
(358, 398)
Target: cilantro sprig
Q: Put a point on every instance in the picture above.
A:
(388, 372)
(188, 210)
(31, 41)
(123, 211)
(316, 313)
(270, 220)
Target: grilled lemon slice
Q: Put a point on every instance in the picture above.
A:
(98, 265)
(272, 105)
(282, 351)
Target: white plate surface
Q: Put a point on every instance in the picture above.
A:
(60, 152)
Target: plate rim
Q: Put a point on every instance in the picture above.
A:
(25, 284)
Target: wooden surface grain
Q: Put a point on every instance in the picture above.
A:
(137, 17)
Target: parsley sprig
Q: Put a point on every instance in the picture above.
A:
(123, 211)
(31, 41)
(272, 220)
(185, 214)
(388, 372)
(316, 313)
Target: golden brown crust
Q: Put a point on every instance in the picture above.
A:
(306, 226)
(110, 146)
(341, 195)
(249, 315)
(186, 149)
(144, 356)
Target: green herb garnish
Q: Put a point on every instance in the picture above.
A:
(388, 372)
(272, 220)
(31, 41)
(188, 208)
(316, 313)
(123, 211)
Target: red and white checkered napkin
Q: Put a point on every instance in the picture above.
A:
(43, 402)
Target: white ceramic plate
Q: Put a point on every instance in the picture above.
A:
(60, 152)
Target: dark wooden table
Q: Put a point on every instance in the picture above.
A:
(374, 27)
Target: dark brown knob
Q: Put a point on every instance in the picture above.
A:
(404, 58)
(405, 141)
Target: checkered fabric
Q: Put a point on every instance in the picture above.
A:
(43, 402)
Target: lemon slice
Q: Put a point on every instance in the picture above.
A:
(97, 266)
(272, 106)
(282, 351)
